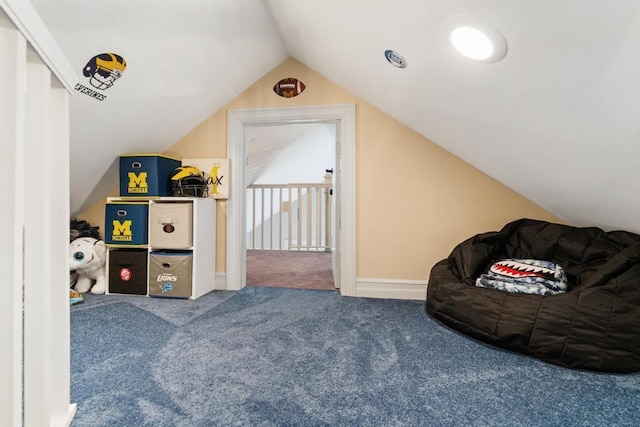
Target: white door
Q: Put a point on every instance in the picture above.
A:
(335, 253)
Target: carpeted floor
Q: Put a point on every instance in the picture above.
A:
(287, 357)
(290, 269)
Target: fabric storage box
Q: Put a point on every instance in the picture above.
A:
(170, 225)
(126, 223)
(170, 274)
(128, 271)
(146, 175)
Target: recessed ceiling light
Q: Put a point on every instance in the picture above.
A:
(472, 43)
(475, 40)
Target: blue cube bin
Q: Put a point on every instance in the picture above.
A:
(146, 175)
(126, 224)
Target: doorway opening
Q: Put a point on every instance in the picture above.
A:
(290, 208)
(239, 124)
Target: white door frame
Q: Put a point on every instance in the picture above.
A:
(237, 122)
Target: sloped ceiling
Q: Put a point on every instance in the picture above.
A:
(265, 143)
(184, 61)
(556, 120)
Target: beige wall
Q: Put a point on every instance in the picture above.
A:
(415, 201)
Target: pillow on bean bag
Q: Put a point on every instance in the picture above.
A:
(525, 276)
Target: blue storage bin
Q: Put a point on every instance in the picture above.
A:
(126, 223)
(146, 175)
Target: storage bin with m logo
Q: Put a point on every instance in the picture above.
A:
(126, 223)
(146, 175)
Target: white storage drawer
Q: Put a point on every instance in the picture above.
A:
(171, 225)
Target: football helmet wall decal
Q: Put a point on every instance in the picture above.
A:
(104, 69)
(189, 181)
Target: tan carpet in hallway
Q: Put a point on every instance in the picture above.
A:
(289, 269)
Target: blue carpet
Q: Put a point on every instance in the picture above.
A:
(287, 357)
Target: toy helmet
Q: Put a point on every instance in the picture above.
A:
(189, 181)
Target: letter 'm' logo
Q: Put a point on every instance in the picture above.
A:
(215, 181)
(138, 182)
(121, 231)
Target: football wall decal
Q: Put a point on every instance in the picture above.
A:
(289, 87)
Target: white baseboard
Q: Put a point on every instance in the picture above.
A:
(64, 420)
(369, 288)
(221, 282)
(391, 289)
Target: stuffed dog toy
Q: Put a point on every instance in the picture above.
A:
(87, 257)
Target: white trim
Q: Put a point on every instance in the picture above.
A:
(221, 282)
(392, 289)
(35, 108)
(38, 240)
(13, 56)
(64, 420)
(59, 352)
(28, 22)
(370, 288)
(237, 121)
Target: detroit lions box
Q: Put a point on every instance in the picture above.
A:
(126, 223)
(170, 274)
(146, 175)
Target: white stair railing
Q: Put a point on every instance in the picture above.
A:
(289, 217)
